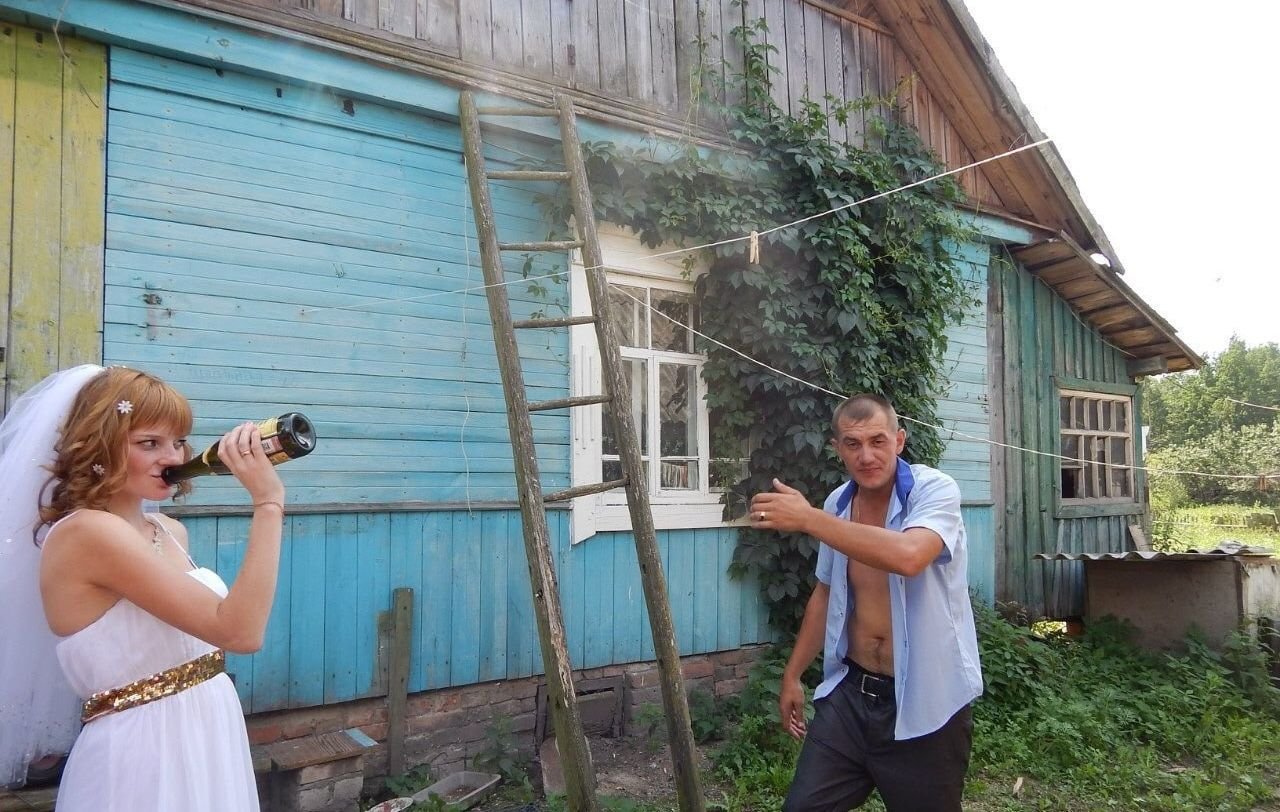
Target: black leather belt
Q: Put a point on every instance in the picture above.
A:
(874, 685)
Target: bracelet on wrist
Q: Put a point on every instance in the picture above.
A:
(266, 502)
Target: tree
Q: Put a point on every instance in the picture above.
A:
(1188, 407)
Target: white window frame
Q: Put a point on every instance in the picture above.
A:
(1097, 398)
(630, 262)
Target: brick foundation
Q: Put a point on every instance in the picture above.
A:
(447, 728)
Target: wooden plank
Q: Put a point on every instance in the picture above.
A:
(467, 596)
(398, 17)
(232, 536)
(833, 68)
(342, 553)
(495, 528)
(709, 33)
(84, 122)
(523, 658)
(361, 12)
(398, 677)
(732, 16)
(628, 619)
(815, 79)
(436, 624)
(1047, 416)
(611, 28)
(372, 588)
(508, 35)
(852, 74)
(405, 569)
(688, 58)
(307, 610)
(36, 242)
(563, 52)
(794, 72)
(475, 31)
(775, 37)
(536, 27)
(637, 20)
(730, 599)
(437, 25)
(585, 40)
(271, 662)
(598, 591)
(666, 79)
(8, 90)
(705, 588)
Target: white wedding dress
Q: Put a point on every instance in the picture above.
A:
(188, 752)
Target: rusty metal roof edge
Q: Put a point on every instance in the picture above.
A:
(1242, 551)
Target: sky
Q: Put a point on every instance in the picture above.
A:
(1159, 108)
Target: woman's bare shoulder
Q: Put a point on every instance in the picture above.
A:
(174, 526)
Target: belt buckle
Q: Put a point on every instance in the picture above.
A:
(862, 686)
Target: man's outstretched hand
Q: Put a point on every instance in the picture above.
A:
(783, 509)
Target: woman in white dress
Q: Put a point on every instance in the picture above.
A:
(139, 629)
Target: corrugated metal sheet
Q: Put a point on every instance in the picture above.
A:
(1228, 549)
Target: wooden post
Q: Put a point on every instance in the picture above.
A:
(398, 677)
(579, 774)
(683, 754)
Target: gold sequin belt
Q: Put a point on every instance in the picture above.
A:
(157, 686)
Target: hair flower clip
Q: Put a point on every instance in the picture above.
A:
(98, 469)
(124, 407)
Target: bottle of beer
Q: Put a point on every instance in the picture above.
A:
(286, 437)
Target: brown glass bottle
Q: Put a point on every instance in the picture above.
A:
(286, 437)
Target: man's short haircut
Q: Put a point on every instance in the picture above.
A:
(862, 407)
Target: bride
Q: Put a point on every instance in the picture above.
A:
(137, 628)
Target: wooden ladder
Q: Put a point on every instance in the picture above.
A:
(579, 773)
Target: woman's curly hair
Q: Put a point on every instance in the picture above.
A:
(96, 433)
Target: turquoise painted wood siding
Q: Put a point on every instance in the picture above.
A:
(473, 616)
(249, 224)
(965, 416)
(256, 230)
(1042, 338)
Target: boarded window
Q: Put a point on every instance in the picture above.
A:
(1096, 447)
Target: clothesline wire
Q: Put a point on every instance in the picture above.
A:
(952, 432)
(753, 236)
(1254, 405)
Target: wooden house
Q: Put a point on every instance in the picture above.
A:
(264, 202)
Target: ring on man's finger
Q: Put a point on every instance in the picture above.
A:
(246, 452)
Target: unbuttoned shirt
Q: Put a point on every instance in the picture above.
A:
(935, 646)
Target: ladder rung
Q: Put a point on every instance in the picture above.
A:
(550, 112)
(527, 174)
(568, 321)
(584, 490)
(549, 245)
(567, 403)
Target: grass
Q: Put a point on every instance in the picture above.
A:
(1205, 527)
(1065, 725)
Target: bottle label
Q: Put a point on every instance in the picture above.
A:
(274, 449)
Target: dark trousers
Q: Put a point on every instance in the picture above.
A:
(849, 750)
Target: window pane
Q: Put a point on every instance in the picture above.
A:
(613, 470)
(667, 335)
(633, 374)
(1064, 412)
(682, 475)
(1122, 417)
(1106, 424)
(630, 315)
(1077, 413)
(1071, 446)
(1120, 477)
(677, 392)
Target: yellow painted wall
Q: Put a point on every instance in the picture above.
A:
(52, 193)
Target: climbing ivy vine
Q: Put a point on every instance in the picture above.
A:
(857, 301)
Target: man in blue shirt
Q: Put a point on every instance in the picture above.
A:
(891, 615)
